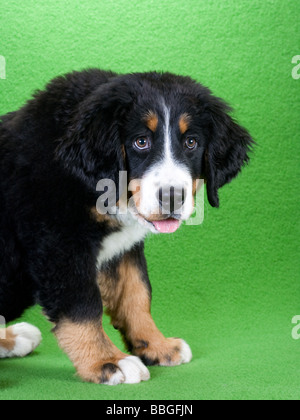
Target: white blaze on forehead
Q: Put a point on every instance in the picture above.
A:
(167, 134)
(166, 173)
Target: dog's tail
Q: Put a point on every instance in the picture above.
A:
(19, 340)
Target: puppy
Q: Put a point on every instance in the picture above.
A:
(61, 249)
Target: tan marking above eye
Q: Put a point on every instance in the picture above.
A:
(184, 123)
(151, 121)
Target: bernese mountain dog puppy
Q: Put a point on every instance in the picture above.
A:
(59, 249)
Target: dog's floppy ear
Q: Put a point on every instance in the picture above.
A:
(227, 151)
(91, 149)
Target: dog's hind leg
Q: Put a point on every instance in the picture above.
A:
(19, 340)
(16, 295)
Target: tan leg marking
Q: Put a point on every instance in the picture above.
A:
(93, 354)
(128, 303)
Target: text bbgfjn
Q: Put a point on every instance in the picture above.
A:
(153, 409)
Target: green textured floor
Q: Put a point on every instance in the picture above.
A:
(231, 286)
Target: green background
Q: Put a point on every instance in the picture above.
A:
(229, 287)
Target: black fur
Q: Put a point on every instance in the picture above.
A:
(55, 149)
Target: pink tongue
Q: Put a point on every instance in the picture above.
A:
(166, 226)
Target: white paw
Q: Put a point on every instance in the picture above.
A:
(27, 339)
(116, 378)
(131, 371)
(185, 353)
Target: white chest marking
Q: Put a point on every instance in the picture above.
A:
(120, 242)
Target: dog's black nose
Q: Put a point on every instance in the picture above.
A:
(171, 200)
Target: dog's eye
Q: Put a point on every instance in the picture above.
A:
(191, 144)
(142, 143)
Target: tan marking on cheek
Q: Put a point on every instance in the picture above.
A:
(196, 187)
(184, 123)
(104, 218)
(151, 121)
(10, 341)
(135, 189)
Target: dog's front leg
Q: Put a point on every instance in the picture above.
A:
(95, 357)
(126, 292)
(75, 307)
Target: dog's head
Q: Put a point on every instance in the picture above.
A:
(167, 132)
